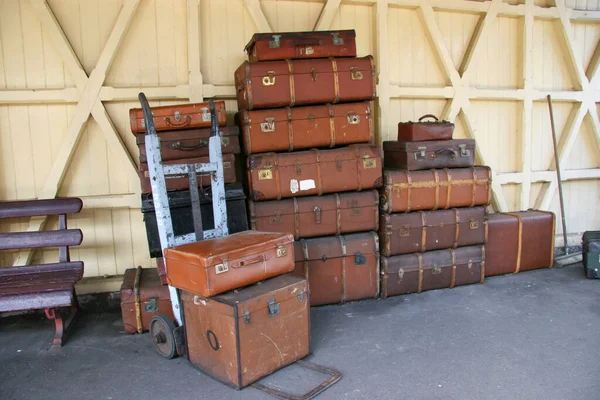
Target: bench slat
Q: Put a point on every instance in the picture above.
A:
(30, 208)
(28, 240)
(19, 302)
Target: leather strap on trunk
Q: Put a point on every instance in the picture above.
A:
(305, 252)
(456, 235)
(136, 294)
(482, 264)
(474, 186)
(296, 218)
(408, 198)
(336, 80)
(343, 243)
(291, 79)
(338, 218)
(331, 125)
(420, 259)
(453, 257)
(423, 232)
(520, 241)
(359, 168)
(436, 178)
(290, 128)
(277, 177)
(448, 189)
(319, 178)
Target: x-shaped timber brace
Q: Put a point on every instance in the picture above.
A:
(89, 92)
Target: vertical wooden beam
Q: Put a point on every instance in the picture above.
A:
(381, 21)
(258, 16)
(327, 13)
(194, 33)
(527, 131)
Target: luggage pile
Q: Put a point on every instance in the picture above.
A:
(306, 119)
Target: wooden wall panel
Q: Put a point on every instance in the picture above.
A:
(551, 69)
(360, 18)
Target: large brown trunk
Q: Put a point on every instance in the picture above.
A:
(519, 241)
(274, 176)
(414, 156)
(297, 128)
(417, 272)
(214, 266)
(298, 45)
(242, 336)
(421, 231)
(339, 268)
(142, 297)
(436, 189)
(182, 116)
(290, 83)
(312, 216)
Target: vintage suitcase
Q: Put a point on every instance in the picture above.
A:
(519, 241)
(339, 268)
(590, 244)
(214, 266)
(142, 297)
(421, 231)
(182, 182)
(182, 116)
(273, 176)
(192, 143)
(292, 83)
(425, 130)
(297, 45)
(331, 214)
(435, 189)
(438, 269)
(288, 129)
(457, 153)
(181, 213)
(244, 335)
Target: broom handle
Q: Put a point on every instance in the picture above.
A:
(560, 191)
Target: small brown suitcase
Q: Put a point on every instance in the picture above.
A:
(183, 116)
(298, 45)
(421, 231)
(339, 268)
(182, 182)
(304, 217)
(417, 272)
(214, 266)
(142, 297)
(435, 189)
(244, 335)
(292, 83)
(288, 129)
(425, 130)
(519, 241)
(457, 153)
(273, 176)
(192, 143)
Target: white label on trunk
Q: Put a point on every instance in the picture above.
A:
(293, 186)
(307, 184)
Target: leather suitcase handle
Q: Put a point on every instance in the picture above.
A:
(178, 146)
(428, 116)
(446, 150)
(250, 261)
(186, 122)
(307, 42)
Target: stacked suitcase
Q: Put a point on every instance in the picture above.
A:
(306, 118)
(434, 210)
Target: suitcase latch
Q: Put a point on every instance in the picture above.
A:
(356, 74)
(247, 316)
(359, 259)
(436, 270)
(205, 114)
(298, 168)
(273, 307)
(177, 116)
(401, 273)
(317, 211)
(404, 231)
(281, 251)
(473, 224)
(221, 268)
(337, 40)
(369, 163)
(338, 163)
(464, 152)
(265, 174)
(275, 219)
(301, 296)
(151, 305)
(225, 141)
(420, 154)
(268, 125)
(275, 43)
(313, 74)
(269, 80)
(353, 119)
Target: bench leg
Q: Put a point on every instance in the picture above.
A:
(61, 323)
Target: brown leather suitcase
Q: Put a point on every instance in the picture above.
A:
(519, 241)
(182, 116)
(273, 176)
(339, 268)
(304, 217)
(457, 153)
(244, 335)
(142, 297)
(435, 189)
(292, 83)
(288, 129)
(298, 45)
(192, 143)
(214, 266)
(182, 182)
(421, 231)
(425, 130)
(417, 272)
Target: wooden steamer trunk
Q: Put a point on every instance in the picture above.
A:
(244, 335)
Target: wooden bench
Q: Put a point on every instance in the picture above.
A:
(50, 287)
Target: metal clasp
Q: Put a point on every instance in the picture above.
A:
(281, 251)
(268, 125)
(247, 316)
(436, 270)
(353, 119)
(464, 152)
(269, 80)
(317, 211)
(420, 154)
(301, 296)
(473, 224)
(275, 219)
(298, 168)
(205, 114)
(273, 307)
(369, 163)
(405, 231)
(221, 268)
(338, 162)
(359, 259)
(177, 116)
(337, 40)
(151, 305)
(275, 43)
(401, 273)
(265, 174)
(313, 74)
(357, 75)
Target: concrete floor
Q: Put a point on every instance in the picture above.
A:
(528, 336)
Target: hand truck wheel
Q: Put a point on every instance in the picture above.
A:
(163, 338)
